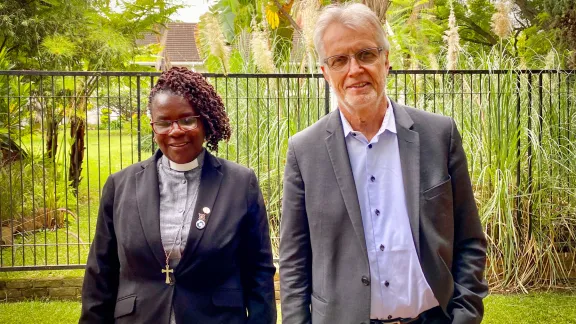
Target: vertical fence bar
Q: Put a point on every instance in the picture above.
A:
(472, 160)
(462, 104)
(120, 119)
(21, 160)
(108, 112)
(98, 136)
(257, 126)
(278, 139)
(269, 188)
(10, 201)
(55, 121)
(498, 120)
(247, 123)
(131, 120)
(152, 142)
(539, 153)
(530, 191)
(569, 83)
(139, 119)
(489, 99)
(87, 96)
(2, 231)
(42, 127)
(34, 214)
(227, 112)
(518, 161)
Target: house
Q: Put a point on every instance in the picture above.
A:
(178, 47)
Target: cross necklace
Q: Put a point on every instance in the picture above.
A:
(167, 270)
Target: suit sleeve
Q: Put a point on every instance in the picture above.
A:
(295, 247)
(100, 285)
(257, 267)
(469, 258)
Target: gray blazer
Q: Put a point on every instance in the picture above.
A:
(323, 256)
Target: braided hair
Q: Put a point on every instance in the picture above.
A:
(194, 88)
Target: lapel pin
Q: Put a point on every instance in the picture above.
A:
(201, 222)
(206, 210)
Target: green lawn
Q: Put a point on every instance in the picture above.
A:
(106, 152)
(534, 308)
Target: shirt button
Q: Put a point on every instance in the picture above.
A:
(183, 181)
(389, 316)
(381, 247)
(365, 281)
(353, 134)
(377, 212)
(369, 145)
(386, 283)
(180, 210)
(372, 179)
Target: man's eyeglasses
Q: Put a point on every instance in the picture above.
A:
(367, 56)
(164, 126)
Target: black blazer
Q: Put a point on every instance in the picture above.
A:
(226, 271)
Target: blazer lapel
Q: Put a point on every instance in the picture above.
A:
(336, 146)
(148, 198)
(210, 181)
(409, 147)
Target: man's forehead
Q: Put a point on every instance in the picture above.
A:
(343, 45)
(340, 39)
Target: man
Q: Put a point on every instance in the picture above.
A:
(379, 223)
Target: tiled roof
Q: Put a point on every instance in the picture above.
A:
(180, 46)
(177, 40)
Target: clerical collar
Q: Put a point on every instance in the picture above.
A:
(185, 166)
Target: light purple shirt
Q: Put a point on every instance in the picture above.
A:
(398, 286)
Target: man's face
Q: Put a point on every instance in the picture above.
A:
(357, 86)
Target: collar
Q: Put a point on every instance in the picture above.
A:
(389, 122)
(185, 166)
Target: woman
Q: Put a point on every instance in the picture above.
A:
(181, 237)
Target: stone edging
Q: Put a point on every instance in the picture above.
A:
(13, 290)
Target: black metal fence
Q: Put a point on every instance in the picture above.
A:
(517, 128)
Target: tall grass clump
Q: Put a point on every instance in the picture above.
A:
(518, 133)
(264, 112)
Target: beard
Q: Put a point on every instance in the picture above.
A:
(355, 102)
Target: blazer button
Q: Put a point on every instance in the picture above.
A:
(365, 281)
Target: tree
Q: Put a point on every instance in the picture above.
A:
(78, 35)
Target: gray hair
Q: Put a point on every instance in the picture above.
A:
(355, 16)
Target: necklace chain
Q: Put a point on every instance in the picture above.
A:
(186, 212)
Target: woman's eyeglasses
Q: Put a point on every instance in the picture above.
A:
(367, 56)
(164, 126)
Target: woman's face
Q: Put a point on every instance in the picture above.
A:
(180, 146)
